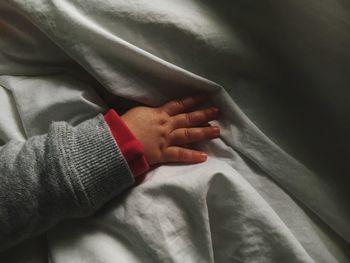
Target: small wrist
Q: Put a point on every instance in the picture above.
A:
(129, 145)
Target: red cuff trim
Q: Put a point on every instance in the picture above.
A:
(130, 147)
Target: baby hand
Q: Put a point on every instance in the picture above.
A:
(164, 129)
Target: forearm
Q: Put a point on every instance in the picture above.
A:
(68, 172)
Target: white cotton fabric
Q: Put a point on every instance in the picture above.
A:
(251, 201)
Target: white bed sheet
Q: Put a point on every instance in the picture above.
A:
(250, 202)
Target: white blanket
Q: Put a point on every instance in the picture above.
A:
(250, 202)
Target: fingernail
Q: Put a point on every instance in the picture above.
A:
(203, 156)
(216, 130)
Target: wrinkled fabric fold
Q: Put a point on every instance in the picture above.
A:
(150, 53)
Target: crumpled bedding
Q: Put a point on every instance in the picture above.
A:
(278, 64)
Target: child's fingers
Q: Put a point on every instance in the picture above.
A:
(183, 155)
(178, 106)
(192, 135)
(195, 118)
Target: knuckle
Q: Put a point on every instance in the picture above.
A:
(181, 154)
(180, 103)
(187, 134)
(189, 118)
(163, 121)
(162, 117)
(158, 110)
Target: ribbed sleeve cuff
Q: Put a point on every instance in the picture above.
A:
(129, 145)
(90, 157)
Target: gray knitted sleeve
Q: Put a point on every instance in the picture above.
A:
(68, 172)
